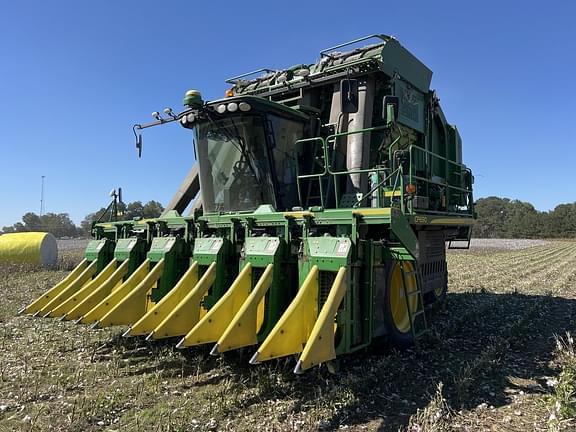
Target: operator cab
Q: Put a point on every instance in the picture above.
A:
(245, 150)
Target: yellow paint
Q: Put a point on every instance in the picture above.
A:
(84, 277)
(397, 297)
(389, 194)
(158, 312)
(243, 329)
(81, 294)
(142, 221)
(85, 302)
(187, 313)
(320, 345)
(105, 304)
(298, 214)
(294, 326)
(372, 212)
(260, 313)
(214, 323)
(42, 301)
(131, 307)
(453, 221)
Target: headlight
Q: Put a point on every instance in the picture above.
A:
(232, 107)
(221, 109)
(244, 106)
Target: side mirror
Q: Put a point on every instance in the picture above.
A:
(349, 96)
(138, 137)
(139, 145)
(390, 105)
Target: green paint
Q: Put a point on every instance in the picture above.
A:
(259, 252)
(100, 251)
(220, 251)
(173, 251)
(131, 249)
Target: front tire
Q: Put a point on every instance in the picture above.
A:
(396, 316)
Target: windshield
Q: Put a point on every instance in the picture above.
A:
(234, 170)
(285, 133)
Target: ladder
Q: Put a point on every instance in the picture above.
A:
(418, 324)
(319, 199)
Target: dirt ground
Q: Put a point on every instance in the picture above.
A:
(492, 361)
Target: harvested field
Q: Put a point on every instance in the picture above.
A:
(505, 244)
(491, 362)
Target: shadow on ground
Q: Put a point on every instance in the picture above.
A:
(483, 347)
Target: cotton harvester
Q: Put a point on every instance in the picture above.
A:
(327, 194)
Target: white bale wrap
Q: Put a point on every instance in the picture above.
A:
(29, 247)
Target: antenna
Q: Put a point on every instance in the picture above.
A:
(42, 197)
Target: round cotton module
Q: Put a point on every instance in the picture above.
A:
(29, 247)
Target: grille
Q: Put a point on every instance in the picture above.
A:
(256, 274)
(325, 282)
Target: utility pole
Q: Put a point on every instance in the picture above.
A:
(42, 197)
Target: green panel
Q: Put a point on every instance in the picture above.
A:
(398, 253)
(411, 105)
(220, 251)
(101, 251)
(173, 251)
(397, 59)
(329, 254)
(160, 247)
(207, 250)
(261, 251)
(404, 232)
(131, 249)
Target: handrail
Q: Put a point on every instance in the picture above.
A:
(235, 79)
(397, 172)
(325, 153)
(436, 155)
(383, 37)
(440, 184)
(348, 133)
(371, 191)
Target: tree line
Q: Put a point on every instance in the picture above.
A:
(61, 225)
(506, 218)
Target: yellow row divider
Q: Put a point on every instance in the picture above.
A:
(42, 301)
(294, 326)
(213, 324)
(71, 301)
(85, 301)
(131, 307)
(187, 313)
(102, 305)
(156, 315)
(78, 283)
(242, 330)
(320, 346)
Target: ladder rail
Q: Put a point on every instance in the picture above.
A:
(420, 311)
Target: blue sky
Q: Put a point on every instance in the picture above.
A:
(75, 76)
